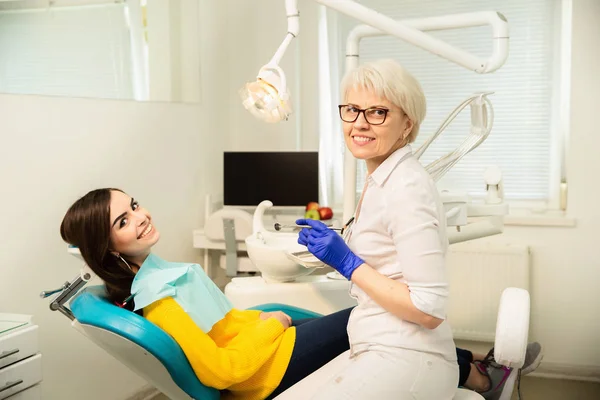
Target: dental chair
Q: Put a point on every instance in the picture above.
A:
(154, 355)
(145, 348)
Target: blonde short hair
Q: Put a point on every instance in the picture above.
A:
(389, 80)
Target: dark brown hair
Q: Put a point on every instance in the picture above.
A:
(87, 226)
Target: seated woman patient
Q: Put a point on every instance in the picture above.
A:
(246, 354)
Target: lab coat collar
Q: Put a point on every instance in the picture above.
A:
(382, 173)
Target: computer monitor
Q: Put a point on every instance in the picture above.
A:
(288, 179)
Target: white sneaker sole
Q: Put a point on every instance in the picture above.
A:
(534, 364)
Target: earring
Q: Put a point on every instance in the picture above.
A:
(122, 259)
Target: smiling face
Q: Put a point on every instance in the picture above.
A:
(374, 143)
(132, 233)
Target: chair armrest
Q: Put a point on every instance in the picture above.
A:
(294, 312)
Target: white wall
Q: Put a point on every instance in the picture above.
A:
(54, 150)
(566, 267)
(173, 57)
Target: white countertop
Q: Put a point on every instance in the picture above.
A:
(9, 322)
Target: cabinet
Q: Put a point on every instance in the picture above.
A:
(20, 358)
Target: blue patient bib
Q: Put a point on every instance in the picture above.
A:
(188, 284)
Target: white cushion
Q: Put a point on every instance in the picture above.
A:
(512, 327)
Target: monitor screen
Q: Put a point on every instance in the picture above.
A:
(285, 178)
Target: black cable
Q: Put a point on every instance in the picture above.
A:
(519, 385)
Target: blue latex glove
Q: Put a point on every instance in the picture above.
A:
(328, 246)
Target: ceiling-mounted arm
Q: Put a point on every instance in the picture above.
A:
(411, 32)
(494, 19)
(293, 21)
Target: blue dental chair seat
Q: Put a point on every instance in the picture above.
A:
(91, 308)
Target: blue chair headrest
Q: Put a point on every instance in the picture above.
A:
(91, 307)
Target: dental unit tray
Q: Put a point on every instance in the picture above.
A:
(305, 258)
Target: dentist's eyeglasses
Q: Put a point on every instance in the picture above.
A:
(374, 115)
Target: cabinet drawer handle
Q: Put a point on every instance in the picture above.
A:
(5, 354)
(11, 385)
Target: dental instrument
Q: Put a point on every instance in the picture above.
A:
(267, 97)
(279, 227)
(301, 253)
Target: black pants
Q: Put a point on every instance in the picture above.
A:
(465, 358)
(318, 341)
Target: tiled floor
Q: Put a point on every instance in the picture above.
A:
(544, 389)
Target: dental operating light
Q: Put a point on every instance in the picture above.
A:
(268, 98)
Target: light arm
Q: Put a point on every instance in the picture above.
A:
(411, 34)
(293, 20)
(494, 19)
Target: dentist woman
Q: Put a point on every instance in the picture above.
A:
(393, 253)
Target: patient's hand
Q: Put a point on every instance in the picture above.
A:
(282, 317)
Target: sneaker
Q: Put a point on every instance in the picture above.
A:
(497, 374)
(533, 358)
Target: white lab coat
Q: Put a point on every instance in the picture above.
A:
(400, 230)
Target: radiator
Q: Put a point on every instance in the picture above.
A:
(478, 273)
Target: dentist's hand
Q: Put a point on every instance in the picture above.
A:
(328, 246)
